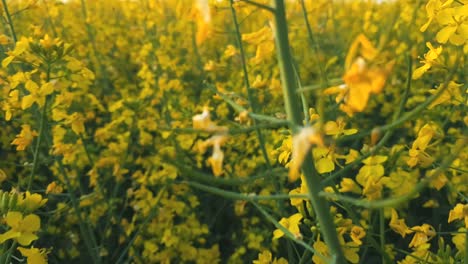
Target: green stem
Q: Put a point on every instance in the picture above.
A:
(10, 252)
(85, 228)
(320, 205)
(10, 21)
(242, 196)
(382, 232)
(235, 181)
(42, 123)
(322, 73)
(259, 5)
(250, 96)
(466, 247)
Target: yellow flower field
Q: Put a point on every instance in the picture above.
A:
(234, 131)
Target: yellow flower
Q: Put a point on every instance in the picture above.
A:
(36, 94)
(337, 128)
(31, 202)
(429, 60)
(24, 138)
(255, 38)
(432, 8)
(373, 169)
(422, 234)
(230, 51)
(455, 27)
(459, 212)
(357, 233)
(323, 158)
(360, 79)
(22, 229)
(54, 188)
(77, 123)
(459, 240)
(451, 95)
(417, 152)
(265, 257)
(292, 224)
(321, 248)
(264, 50)
(399, 225)
(34, 255)
(349, 185)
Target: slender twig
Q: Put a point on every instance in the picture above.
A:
(10, 21)
(243, 196)
(259, 5)
(42, 123)
(289, 234)
(85, 229)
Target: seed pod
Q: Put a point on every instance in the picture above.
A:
(4, 202)
(13, 201)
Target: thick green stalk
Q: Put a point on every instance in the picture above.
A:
(312, 178)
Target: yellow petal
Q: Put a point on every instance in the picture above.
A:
(420, 71)
(324, 165)
(444, 34)
(13, 219)
(26, 238)
(47, 88)
(31, 223)
(7, 61)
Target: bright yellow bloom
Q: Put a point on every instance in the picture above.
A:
(459, 240)
(422, 234)
(417, 152)
(266, 257)
(292, 224)
(230, 51)
(433, 7)
(34, 255)
(360, 79)
(455, 25)
(398, 224)
(372, 168)
(323, 158)
(321, 248)
(24, 138)
(459, 212)
(54, 188)
(357, 233)
(349, 185)
(36, 94)
(22, 229)
(451, 95)
(337, 128)
(430, 59)
(31, 202)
